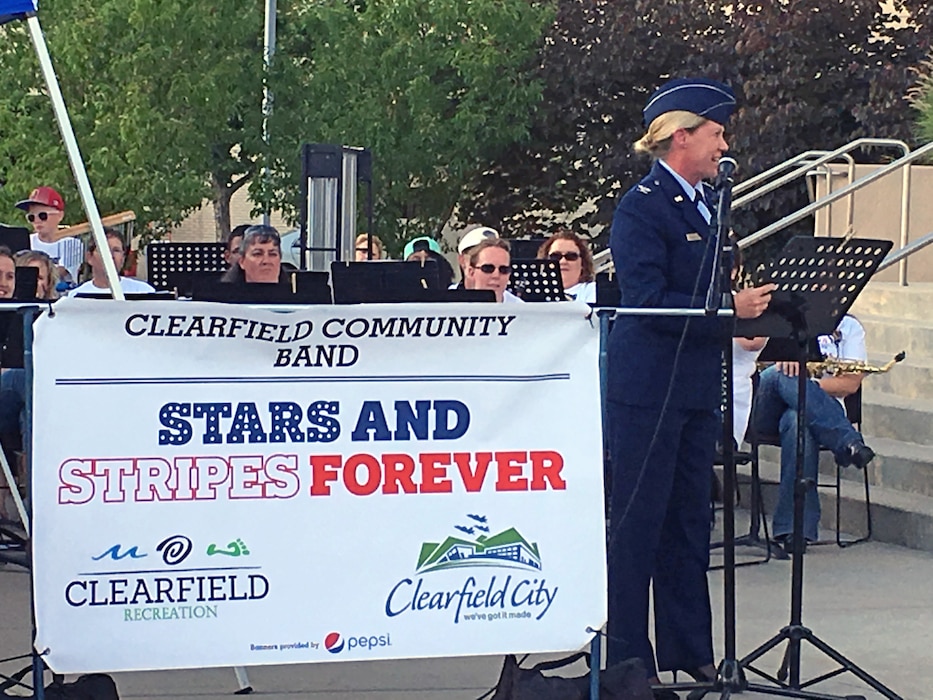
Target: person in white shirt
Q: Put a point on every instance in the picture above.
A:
(490, 267)
(466, 245)
(45, 208)
(576, 264)
(98, 283)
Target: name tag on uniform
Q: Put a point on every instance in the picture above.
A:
(694, 237)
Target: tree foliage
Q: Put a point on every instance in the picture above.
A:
(436, 89)
(808, 76)
(165, 97)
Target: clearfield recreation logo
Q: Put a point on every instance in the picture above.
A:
(487, 595)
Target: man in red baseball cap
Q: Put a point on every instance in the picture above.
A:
(44, 209)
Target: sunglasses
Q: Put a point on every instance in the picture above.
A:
(569, 257)
(489, 268)
(42, 216)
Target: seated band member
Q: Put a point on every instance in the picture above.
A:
(468, 241)
(775, 413)
(232, 249)
(47, 279)
(260, 258)
(98, 283)
(425, 248)
(576, 264)
(490, 265)
(664, 388)
(368, 248)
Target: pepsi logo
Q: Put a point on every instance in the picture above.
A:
(333, 642)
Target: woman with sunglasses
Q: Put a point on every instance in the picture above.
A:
(576, 264)
(490, 268)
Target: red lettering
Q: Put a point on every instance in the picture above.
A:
(511, 465)
(323, 469)
(399, 472)
(473, 478)
(373, 475)
(545, 467)
(434, 472)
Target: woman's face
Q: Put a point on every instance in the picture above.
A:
(7, 277)
(571, 269)
(495, 276)
(42, 285)
(262, 262)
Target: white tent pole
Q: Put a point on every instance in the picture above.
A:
(74, 155)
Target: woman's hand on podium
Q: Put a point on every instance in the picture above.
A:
(751, 302)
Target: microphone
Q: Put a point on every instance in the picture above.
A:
(727, 167)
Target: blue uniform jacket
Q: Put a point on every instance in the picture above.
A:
(662, 248)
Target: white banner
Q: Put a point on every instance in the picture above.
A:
(221, 485)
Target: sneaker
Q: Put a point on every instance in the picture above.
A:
(856, 454)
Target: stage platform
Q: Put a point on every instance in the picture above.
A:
(872, 602)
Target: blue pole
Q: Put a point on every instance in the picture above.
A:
(595, 662)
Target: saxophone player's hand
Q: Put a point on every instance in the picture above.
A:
(791, 369)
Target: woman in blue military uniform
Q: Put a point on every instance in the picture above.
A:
(664, 386)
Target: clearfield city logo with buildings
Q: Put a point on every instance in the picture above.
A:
(501, 577)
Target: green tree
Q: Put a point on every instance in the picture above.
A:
(165, 98)
(163, 95)
(436, 89)
(808, 76)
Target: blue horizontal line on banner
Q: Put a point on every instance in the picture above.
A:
(516, 378)
(207, 569)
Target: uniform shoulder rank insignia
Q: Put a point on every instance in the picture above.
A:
(644, 190)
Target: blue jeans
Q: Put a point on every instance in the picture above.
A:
(12, 401)
(775, 413)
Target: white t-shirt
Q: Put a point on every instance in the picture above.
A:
(67, 252)
(847, 342)
(582, 291)
(743, 369)
(509, 298)
(129, 285)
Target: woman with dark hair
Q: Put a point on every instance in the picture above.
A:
(576, 264)
(260, 258)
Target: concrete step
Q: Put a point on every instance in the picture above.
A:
(910, 379)
(899, 518)
(890, 334)
(904, 419)
(889, 299)
(899, 466)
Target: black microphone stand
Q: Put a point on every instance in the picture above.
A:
(730, 677)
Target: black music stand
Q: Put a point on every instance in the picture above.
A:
(537, 280)
(16, 238)
(383, 282)
(818, 280)
(302, 288)
(171, 265)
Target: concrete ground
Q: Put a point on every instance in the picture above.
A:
(873, 603)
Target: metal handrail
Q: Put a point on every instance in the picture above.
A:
(802, 170)
(764, 176)
(907, 250)
(832, 197)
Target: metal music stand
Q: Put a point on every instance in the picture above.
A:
(16, 238)
(171, 265)
(301, 288)
(818, 280)
(392, 282)
(537, 280)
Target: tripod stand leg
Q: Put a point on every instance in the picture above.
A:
(847, 665)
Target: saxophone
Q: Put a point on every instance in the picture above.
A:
(835, 366)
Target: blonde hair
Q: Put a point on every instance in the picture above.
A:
(657, 140)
